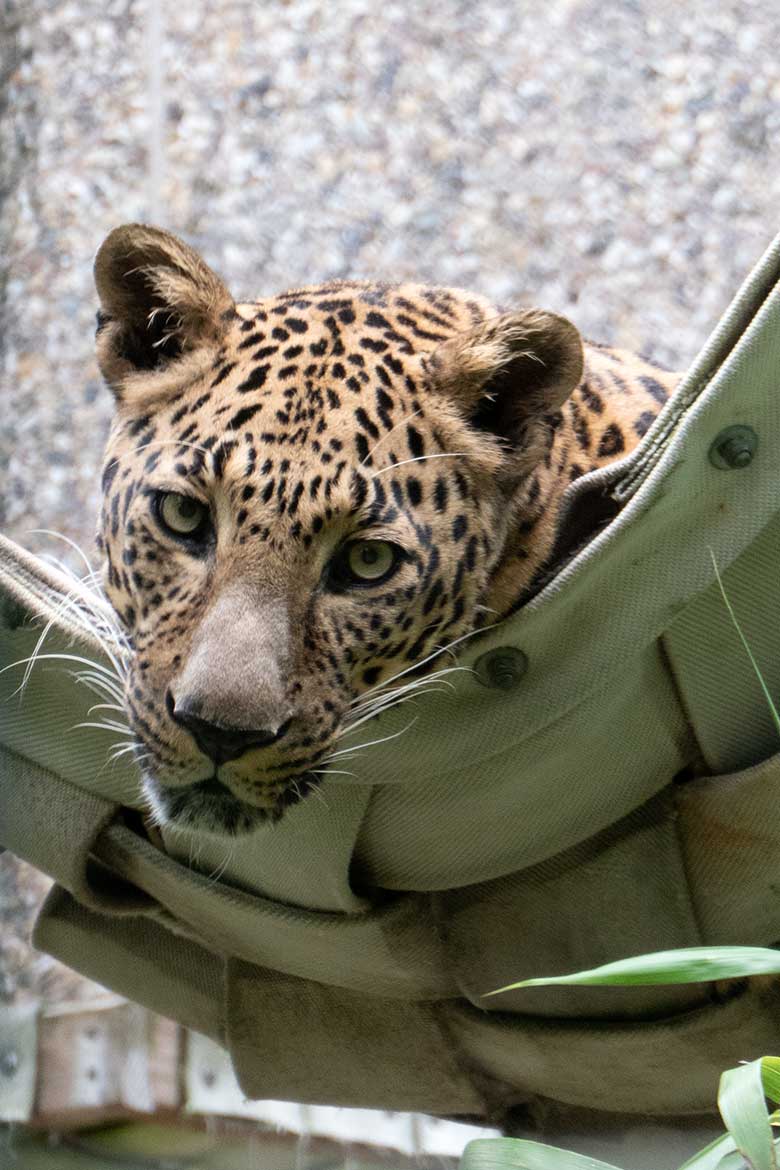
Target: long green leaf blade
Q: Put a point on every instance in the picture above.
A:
(518, 1154)
(733, 1161)
(757, 669)
(743, 1109)
(687, 965)
(770, 1075)
(711, 1157)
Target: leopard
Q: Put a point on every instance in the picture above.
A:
(310, 496)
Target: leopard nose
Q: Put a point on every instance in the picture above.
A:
(218, 742)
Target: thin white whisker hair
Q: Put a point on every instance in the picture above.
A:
(434, 654)
(378, 695)
(99, 688)
(104, 707)
(387, 435)
(36, 657)
(392, 698)
(84, 604)
(121, 751)
(433, 676)
(419, 459)
(95, 668)
(373, 715)
(120, 727)
(114, 755)
(91, 572)
(330, 772)
(99, 678)
(315, 790)
(89, 606)
(217, 874)
(170, 443)
(370, 711)
(372, 743)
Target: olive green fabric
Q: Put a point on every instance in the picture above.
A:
(619, 798)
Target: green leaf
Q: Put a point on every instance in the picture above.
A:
(711, 1157)
(772, 708)
(733, 1161)
(743, 1109)
(516, 1154)
(688, 965)
(770, 1075)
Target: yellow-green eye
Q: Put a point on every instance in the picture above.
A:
(183, 515)
(368, 560)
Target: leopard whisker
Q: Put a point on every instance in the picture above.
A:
(171, 443)
(392, 701)
(433, 654)
(379, 696)
(105, 707)
(372, 743)
(330, 772)
(419, 459)
(122, 727)
(31, 660)
(218, 873)
(315, 790)
(100, 687)
(123, 750)
(387, 435)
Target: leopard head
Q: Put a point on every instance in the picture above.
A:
(306, 497)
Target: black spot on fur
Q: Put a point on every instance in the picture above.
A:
(459, 527)
(414, 491)
(109, 473)
(591, 398)
(416, 444)
(580, 424)
(644, 422)
(243, 416)
(255, 381)
(366, 423)
(654, 388)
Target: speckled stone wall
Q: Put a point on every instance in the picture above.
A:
(613, 161)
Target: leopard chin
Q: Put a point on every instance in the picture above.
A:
(210, 807)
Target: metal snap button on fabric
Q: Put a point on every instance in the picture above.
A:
(502, 668)
(734, 448)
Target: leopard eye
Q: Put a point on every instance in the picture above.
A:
(371, 560)
(182, 515)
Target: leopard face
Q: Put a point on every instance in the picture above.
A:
(305, 498)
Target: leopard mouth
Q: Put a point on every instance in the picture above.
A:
(209, 806)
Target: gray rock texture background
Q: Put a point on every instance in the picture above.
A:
(616, 162)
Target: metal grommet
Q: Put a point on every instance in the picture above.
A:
(734, 448)
(502, 668)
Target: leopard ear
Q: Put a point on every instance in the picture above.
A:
(509, 377)
(161, 308)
